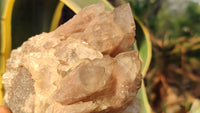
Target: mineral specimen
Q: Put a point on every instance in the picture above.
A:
(84, 66)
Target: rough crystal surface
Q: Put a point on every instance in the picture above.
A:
(84, 66)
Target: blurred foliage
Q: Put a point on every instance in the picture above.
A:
(173, 79)
(166, 19)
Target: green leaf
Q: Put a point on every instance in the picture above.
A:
(144, 47)
(5, 36)
(77, 5)
(56, 16)
(31, 17)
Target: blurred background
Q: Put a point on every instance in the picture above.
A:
(173, 78)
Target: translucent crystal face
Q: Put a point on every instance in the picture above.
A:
(81, 67)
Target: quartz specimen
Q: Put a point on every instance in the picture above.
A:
(84, 66)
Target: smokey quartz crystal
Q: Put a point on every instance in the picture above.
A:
(84, 66)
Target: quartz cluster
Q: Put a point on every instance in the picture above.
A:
(84, 66)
